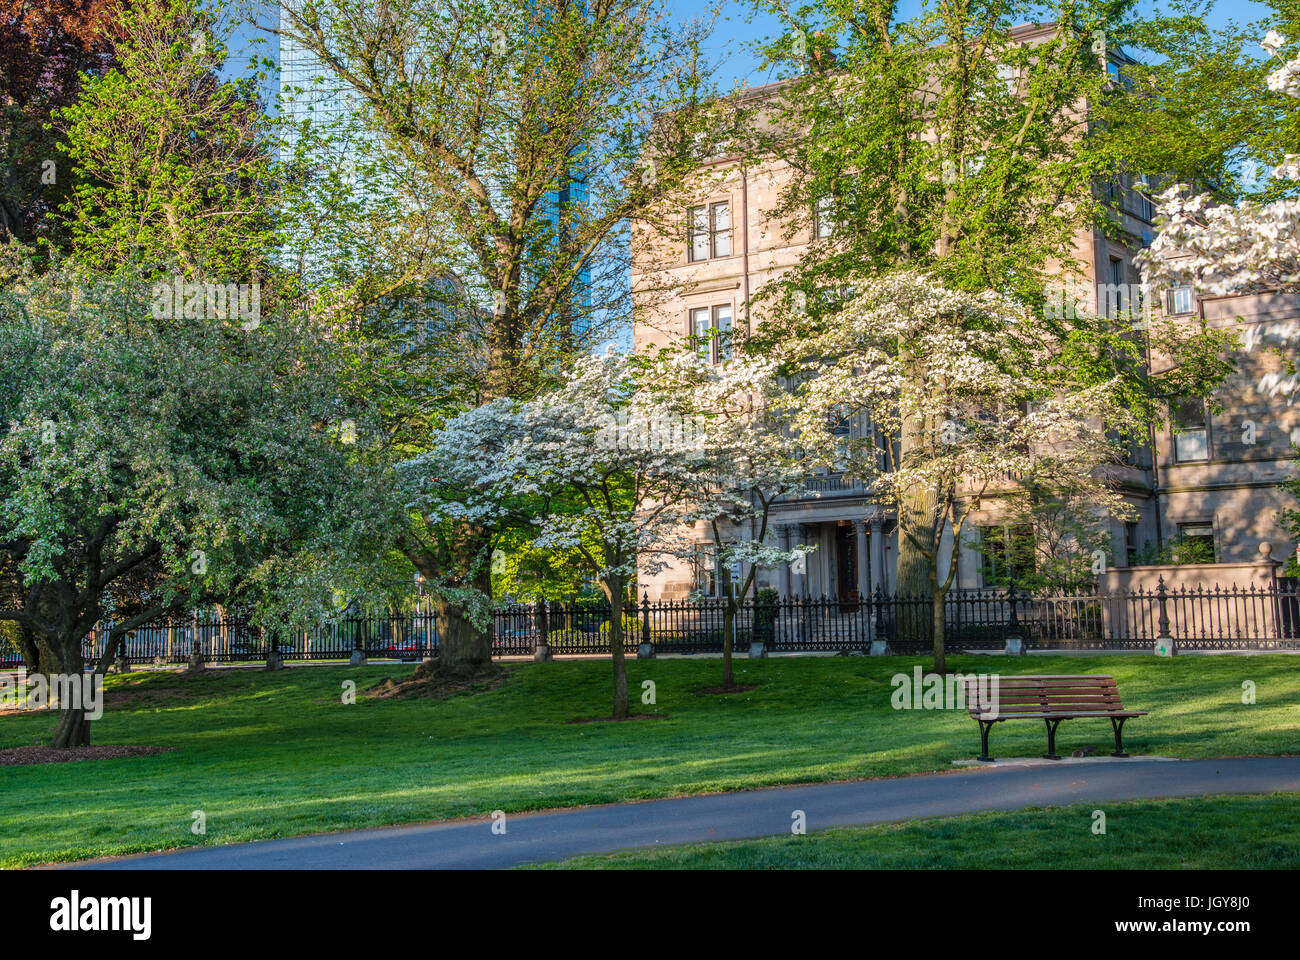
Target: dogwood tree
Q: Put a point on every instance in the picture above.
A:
(574, 460)
(754, 457)
(1000, 400)
(1224, 248)
(617, 466)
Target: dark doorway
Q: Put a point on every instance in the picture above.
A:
(846, 564)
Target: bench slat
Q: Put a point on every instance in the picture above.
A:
(1027, 697)
(1074, 714)
(1050, 697)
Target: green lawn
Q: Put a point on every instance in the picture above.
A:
(274, 754)
(1204, 833)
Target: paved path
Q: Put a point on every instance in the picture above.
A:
(727, 816)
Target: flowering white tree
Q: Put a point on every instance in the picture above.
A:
(611, 458)
(999, 397)
(753, 457)
(1225, 249)
(1222, 248)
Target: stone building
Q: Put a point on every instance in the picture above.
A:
(1216, 481)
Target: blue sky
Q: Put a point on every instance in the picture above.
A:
(740, 29)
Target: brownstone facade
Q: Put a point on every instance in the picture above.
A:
(1219, 478)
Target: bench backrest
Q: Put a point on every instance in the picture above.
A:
(1043, 694)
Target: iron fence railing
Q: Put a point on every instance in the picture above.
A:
(1243, 618)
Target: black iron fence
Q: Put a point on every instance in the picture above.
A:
(1208, 618)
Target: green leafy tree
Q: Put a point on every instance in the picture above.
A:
(513, 153)
(1196, 108)
(1050, 539)
(171, 161)
(149, 466)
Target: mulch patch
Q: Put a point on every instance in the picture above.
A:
(635, 716)
(22, 756)
(429, 683)
(741, 688)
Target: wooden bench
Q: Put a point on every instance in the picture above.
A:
(1050, 699)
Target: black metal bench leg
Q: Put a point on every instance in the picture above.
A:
(985, 727)
(1051, 739)
(1118, 724)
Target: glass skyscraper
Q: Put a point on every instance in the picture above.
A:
(308, 91)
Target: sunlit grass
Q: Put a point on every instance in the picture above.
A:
(274, 754)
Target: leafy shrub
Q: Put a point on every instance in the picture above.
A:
(631, 627)
(9, 647)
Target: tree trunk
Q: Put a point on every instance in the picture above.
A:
(73, 729)
(48, 662)
(728, 640)
(462, 646)
(31, 650)
(940, 660)
(916, 513)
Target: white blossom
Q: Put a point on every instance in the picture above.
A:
(1226, 249)
(983, 392)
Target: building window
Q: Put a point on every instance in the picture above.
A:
(840, 423)
(704, 570)
(1008, 554)
(1196, 543)
(700, 331)
(1008, 75)
(1144, 190)
(1113, 295)
(699, 233)
(1116, 272)
(1180, 299)
(1191, 437)
(1131, 551)
(1118, 75)
(722, 336)
(823, 218)
(720, 228)
(711, 329)
(709, 228)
